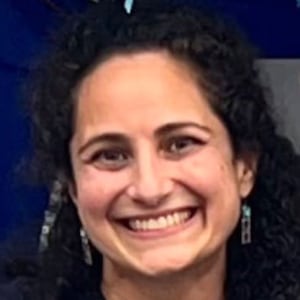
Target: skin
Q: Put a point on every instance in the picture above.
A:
(146, 142)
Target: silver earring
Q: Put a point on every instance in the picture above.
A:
(246, 225)
(87, 255)
(128, 6)
(50, 216)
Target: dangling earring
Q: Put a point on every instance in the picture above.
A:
(246, 225)
(55, 204)
(128, 6)
(87, 255)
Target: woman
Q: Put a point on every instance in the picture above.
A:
(171, 179)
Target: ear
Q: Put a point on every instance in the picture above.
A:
(246, 167)
(72, 191)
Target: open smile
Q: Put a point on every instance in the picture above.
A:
(167, 222)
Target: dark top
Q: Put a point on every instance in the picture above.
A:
(11, 290)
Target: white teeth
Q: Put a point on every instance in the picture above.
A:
(160, 222)
(176, 218)
(170, 220)
(152, 224)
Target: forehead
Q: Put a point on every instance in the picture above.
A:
(149, 86)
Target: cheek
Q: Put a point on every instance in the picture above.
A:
(211, 175)
(96, 190)
(209, 172)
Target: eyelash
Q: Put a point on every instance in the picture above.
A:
(189, 142)
(110, 163)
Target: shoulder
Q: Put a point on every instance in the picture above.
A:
(11, 290)
(17, 262)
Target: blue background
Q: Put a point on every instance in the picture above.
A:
(25, 25)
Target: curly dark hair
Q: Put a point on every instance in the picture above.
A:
(226, 68)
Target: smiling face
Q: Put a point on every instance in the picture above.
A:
(156, 184)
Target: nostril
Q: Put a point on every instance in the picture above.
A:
(150, 192)
(149, 200)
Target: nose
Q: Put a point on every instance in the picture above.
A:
(150, 183)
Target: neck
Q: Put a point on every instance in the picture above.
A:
(204, 281)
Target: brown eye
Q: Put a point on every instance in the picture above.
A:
(182, 144)
(110, 158)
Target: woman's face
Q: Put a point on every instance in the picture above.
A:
(155, 181)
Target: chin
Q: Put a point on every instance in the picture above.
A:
(166, 265)
(160, 271)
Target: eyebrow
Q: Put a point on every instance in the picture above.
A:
(116, 137)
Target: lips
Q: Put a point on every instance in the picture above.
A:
(159, 222)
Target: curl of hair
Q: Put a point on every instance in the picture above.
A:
(226, 68)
